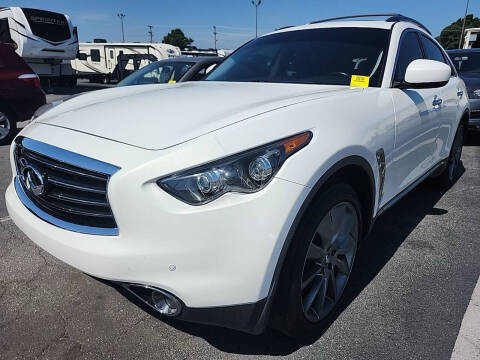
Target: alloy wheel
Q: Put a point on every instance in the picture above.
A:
(454, 160)
(329, 261)
(4, 126)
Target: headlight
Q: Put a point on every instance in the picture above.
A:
(476, 93)
(247, 172)
(44, 108)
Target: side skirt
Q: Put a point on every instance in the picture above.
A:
(433, 171)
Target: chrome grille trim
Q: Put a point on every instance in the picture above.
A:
(75, 196)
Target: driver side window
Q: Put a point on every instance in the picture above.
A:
(409, 50)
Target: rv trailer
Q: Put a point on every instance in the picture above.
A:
(46, 40)
(102, 62)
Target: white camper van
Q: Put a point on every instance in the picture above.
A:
(44, 39)
(472, 38)
(100, 61)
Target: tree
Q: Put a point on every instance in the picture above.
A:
(176, 37)
(450, 36)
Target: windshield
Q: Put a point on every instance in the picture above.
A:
(466, 62)
(317, 56)
(159, 72)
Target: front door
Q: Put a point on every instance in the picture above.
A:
(416, 123)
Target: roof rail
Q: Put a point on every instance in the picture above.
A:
(390, 18)
(284, 27)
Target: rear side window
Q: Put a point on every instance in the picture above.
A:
(409, 50)
(432, 51)
(95, 55)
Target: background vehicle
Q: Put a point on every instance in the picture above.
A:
(20, 92)
(245, 198)
(467, 63)
(173, 70)
(472, 38)
(44, 39)
(98, 60)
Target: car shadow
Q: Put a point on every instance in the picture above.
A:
(389, 233)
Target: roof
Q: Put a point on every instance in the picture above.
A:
(353, 21)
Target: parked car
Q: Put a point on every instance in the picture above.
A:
(242, 200)
(20, 92)
(174, 70)
(467, 63)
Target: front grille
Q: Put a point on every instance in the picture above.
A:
(68, 192)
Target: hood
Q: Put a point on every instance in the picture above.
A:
(156, 117)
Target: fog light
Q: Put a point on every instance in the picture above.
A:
(165, 305)
(162, 301)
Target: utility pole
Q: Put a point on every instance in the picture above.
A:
(215, 36)
(150, 32)
(463, 26)
(121, 16)
(256, 3)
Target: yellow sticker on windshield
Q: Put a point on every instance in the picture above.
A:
(358, 80)
(172, 82)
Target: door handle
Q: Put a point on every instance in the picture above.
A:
(460, 93)
(437, 102)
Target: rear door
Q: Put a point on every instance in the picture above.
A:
(448, 111)
(416, 122)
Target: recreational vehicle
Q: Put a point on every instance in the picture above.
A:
(101, 61)
(472, 38)
(46, 40)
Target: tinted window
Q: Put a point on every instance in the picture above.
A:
(432, 51)
(48, 25)
(409, 50)
(95, 55)
(316, 56)
(466, 62)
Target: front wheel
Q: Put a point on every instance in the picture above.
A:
(8, 126)
(319, 262)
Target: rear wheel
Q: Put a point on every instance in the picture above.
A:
(450, 174)
(319, 263)
(8, 126)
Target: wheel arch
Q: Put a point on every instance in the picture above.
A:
(363, 183)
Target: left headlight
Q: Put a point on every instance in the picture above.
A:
(247, 172)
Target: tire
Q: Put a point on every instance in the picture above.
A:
(320, 259)
(8, 126)
(450, 174)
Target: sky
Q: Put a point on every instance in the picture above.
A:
(234, 19)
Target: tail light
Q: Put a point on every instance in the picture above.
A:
(31, 79)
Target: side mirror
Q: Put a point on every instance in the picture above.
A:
(81, 56)
(424, 73)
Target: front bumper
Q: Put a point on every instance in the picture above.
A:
(218, 256)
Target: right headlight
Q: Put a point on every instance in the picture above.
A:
(247, 172)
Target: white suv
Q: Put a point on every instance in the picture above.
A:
(244, 198)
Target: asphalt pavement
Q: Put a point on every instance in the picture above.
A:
(415, 278)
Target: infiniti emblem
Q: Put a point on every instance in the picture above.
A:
(34, 180)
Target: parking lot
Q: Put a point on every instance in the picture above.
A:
(418, 270)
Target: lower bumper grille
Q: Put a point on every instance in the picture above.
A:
(68, 188)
